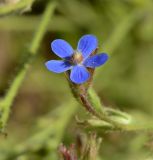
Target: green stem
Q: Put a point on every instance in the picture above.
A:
(7, 101)
(42, 27)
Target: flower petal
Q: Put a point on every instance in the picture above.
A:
(87, 44)
(96, 61)
(79, 74)
(62, 48)
(58, 66)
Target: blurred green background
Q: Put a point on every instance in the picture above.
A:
(43, 113)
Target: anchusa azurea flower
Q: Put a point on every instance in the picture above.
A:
(77, 61)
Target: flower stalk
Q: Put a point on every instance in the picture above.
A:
(85, 95)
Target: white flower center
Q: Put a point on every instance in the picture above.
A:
(77, 57)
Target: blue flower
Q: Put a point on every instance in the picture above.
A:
(78, 61)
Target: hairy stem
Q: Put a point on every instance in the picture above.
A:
(6, 102)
